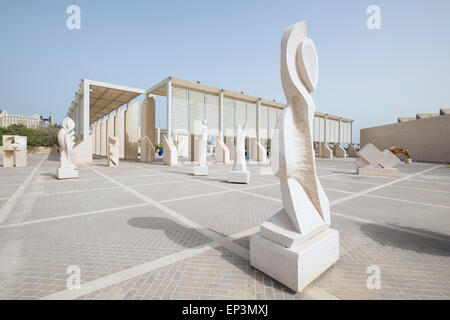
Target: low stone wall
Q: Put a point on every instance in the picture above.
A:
(39, 150)
(43, 150)
(425, 139)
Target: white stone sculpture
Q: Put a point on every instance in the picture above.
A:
(339, 152)
(372, 161)
(66, 137)
(201, 169)
(296, 245)
(262, 152)
(239, 172)
(14, 151)
(170, 155)
(222, 152)
(113, 151)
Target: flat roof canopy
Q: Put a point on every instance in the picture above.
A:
(160, 89)
(106, 97)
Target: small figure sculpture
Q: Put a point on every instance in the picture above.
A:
(14, 151)
(66, 139)
(113, 152)
(170, 155)
(239, 173)
(202, 168)
(296, 245)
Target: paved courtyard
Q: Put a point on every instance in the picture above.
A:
(149, 231)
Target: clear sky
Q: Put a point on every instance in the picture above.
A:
(370, 76)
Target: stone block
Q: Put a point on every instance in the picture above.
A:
(239, 176)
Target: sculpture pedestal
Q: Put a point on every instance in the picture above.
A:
(390, 172)
(21, 158)
(67, 173)
(200, 170)
(239, 176)
(299, 265)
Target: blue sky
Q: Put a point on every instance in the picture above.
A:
(370, 76)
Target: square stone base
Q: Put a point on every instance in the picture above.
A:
(391, 172)
(200, 170)
(67, 173)
(298, 266)
(239, 176)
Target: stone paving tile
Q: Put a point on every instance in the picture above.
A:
(215, 274)
(36, 257)
(66, 204)
(412, 266)
(174, 190)
(409, 242)
(400, 213)
(431, 197)
(227, 213)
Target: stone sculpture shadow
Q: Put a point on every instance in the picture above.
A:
(435, 243)
(173, 230)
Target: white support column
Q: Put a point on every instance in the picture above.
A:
(351, 132)
(221, 115)
(169, 107)
(325, 129)
(340, 132)
(85, 111)
(258, 110)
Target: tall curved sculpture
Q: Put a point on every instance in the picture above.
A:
(298, 238)
(66, 139)
(239, 172)
(201, 169)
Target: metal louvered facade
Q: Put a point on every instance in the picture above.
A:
(196, 112)
(212, 114)
(223, 110)
(228, 117)
(180, 110)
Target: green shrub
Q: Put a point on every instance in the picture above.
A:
(36, 137)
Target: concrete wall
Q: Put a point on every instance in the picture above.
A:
(426, 139)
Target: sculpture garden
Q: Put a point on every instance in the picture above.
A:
(161, 228)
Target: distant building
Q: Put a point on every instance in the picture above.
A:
(426, 137)
(34, 121)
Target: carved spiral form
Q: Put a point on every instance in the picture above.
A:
(299, 75)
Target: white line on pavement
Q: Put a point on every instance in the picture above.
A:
(357, 194)
(362, 220)
(68, 216)
(11, 202)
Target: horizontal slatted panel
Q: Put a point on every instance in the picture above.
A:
(316, 129)
(251, 120)
(196, 112)
(228, 117)
(272, 120)
(263, 122)
(212, 114)
(240, 113)
(180, 111)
